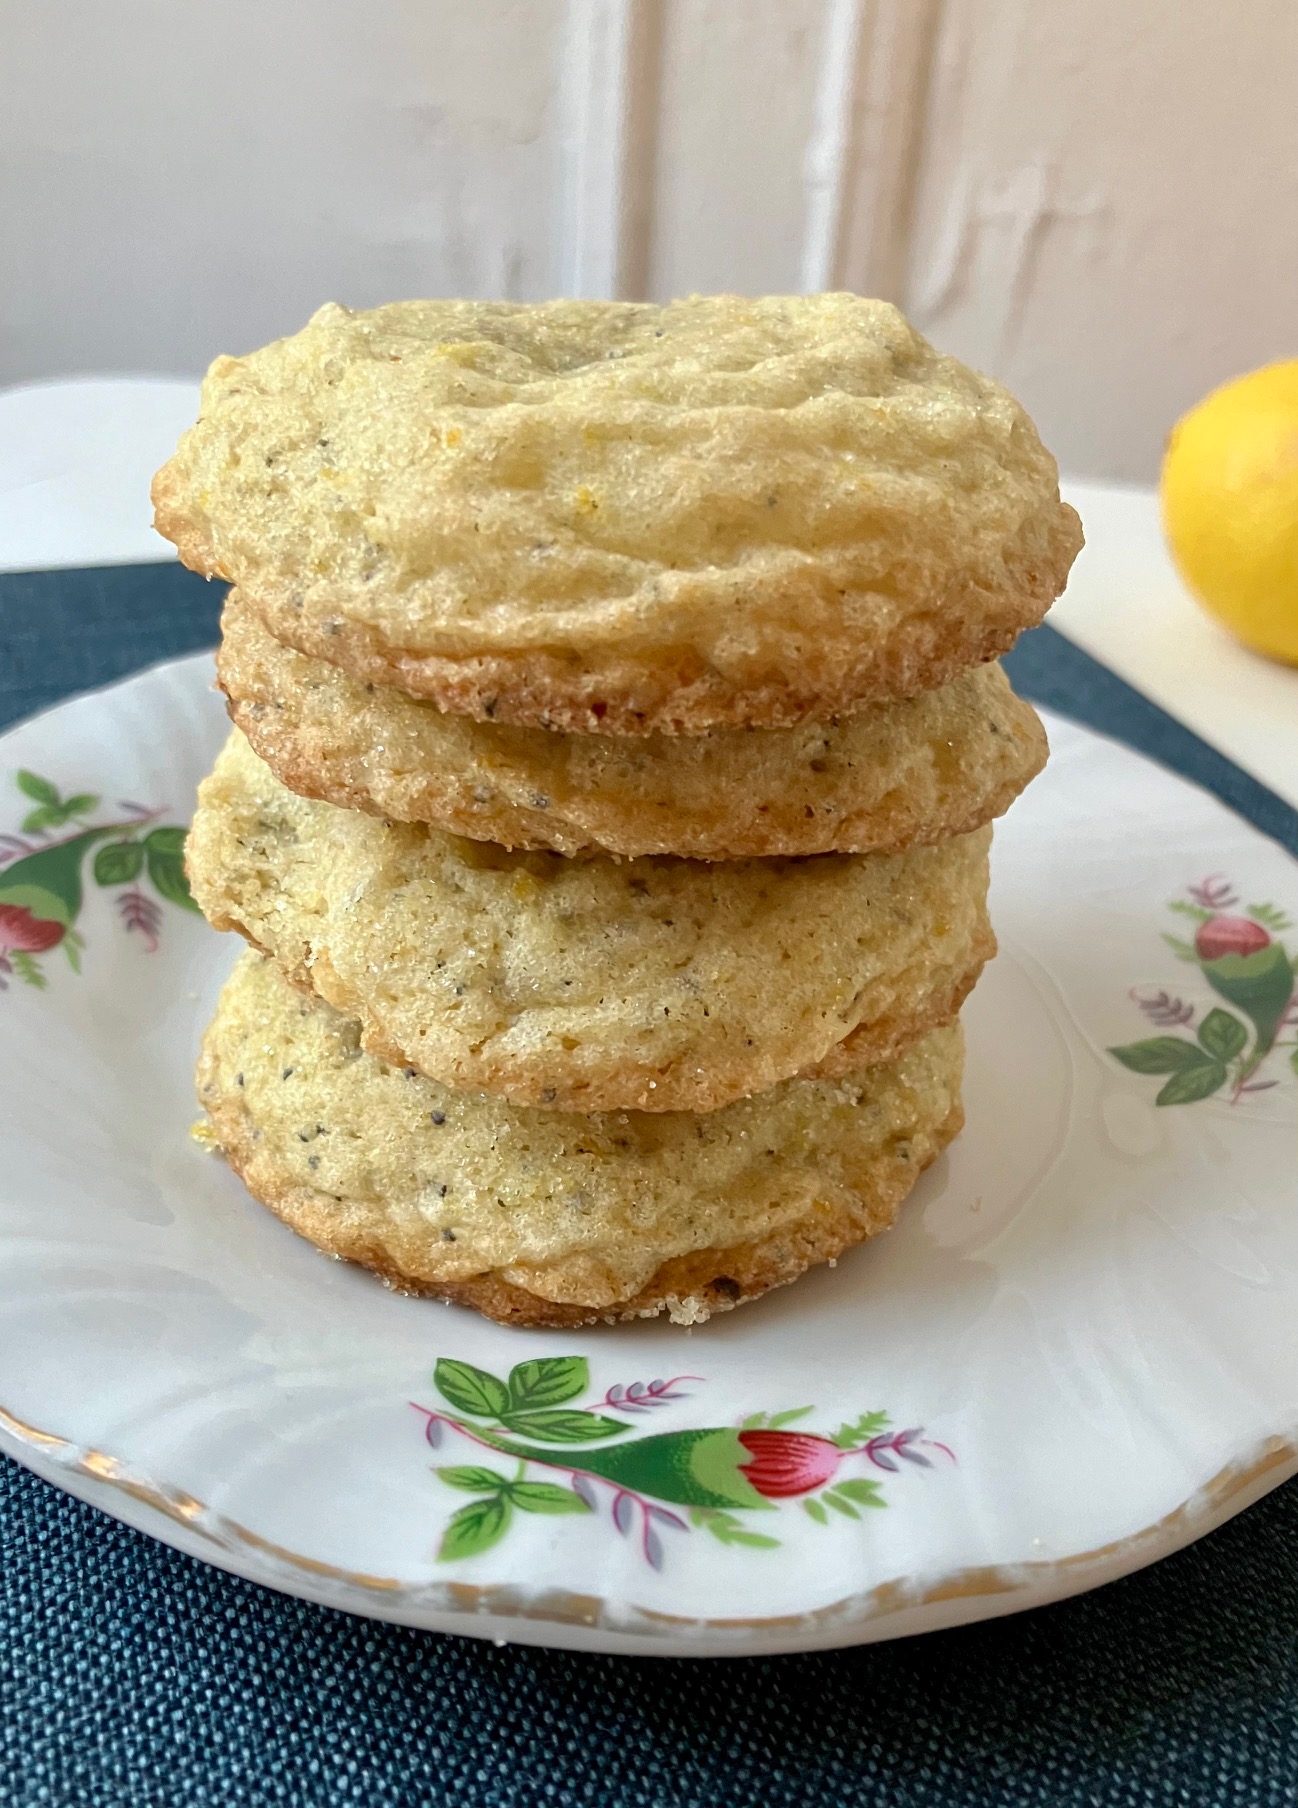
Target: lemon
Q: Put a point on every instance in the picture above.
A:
(1229, 492)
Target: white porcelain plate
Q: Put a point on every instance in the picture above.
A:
(1077, 1351)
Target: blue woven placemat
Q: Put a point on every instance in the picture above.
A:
(132, 1675)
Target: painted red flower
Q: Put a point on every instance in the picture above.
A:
(1229, 935)
(785, 1463)
(21, 931)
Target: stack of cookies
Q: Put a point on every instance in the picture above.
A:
(616, 743)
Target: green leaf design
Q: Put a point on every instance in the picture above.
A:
(1222, 1034)
(28, 969)
(475, 1528)
(790, 1416)
(1293, 1059)
(473, 1479)
(753, 1422)
(545, 1497)
(40, 790)
(816, 1511)
(1260, 985)
(864, 1493)
(1198, 1082)
(118, 863)
(726, 1529)
(547, 1381)
(867, 1426)
(560, 1425)
(164, 849)
(1270, 916)
(53, 816)
(845, 1507)
(1159, 1055)
(1196, 911)
(471, 1390)
(1183, 950)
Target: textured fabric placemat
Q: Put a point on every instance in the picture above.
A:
(130, 1674)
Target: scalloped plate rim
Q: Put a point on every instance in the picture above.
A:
(957, 1598)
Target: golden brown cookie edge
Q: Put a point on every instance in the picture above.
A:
(866, 1045)
(674, 691)
(881, 830)
(690, 1288)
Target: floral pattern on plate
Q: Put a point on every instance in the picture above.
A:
(42, 875)
(1091, 1300)
(1244, 961)
(715, 1472)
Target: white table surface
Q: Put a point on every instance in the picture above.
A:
(76, 459)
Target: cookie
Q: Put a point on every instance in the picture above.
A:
(660, 984)
(915, 771)
(624, 518)
(544, 1217)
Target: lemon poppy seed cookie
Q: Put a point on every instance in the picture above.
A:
(624, 518)
(587, 985)
(914, 771)
(544, 1218)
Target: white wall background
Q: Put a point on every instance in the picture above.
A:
(1097, 201)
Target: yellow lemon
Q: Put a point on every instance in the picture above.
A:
(1230, 506)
